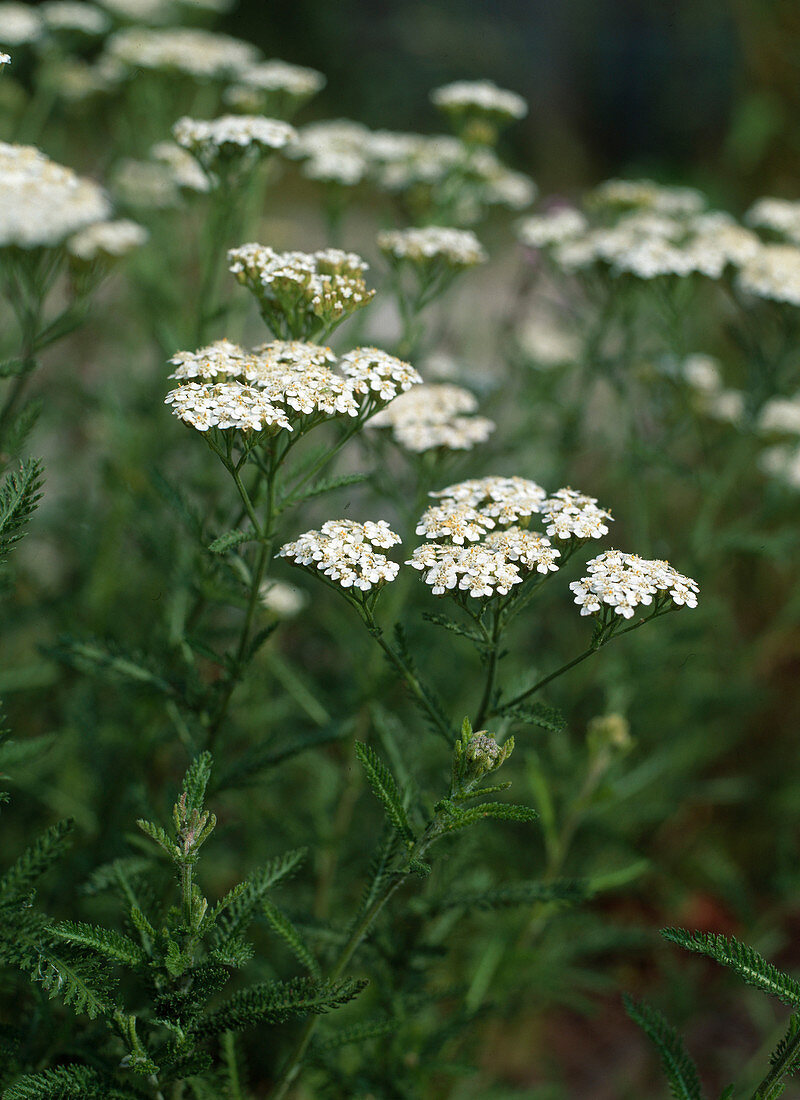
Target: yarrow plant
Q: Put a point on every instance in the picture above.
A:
(307, 593)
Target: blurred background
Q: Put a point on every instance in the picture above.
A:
(699, 91)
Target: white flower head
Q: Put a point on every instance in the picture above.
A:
(41, 202)
(482, 97)
(107, 240)
(431, 416)
(20, 25)
(455, 247)
(231, 137)
(623, 582)
(568, 514)
(346, 552)
(199, 54)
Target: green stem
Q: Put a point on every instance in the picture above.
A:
(772, 1085)
(361, 929)
(598, 642)
(493, 640)
(407, 674)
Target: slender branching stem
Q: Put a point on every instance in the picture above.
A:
(407, 673)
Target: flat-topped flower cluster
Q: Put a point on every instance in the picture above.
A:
(199, 54)
(435, 415)
(275, 84)
(479, 96)
(646, 230)
(230, 137)
(42, 202)
(455, 247)
(345, 552)
(478, 537)
(283, 384)
(296, 290)
(438, 166)
(623, 582)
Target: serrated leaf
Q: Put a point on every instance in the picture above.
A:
(318, 488)
(21, 426)
(19, 495)
(539, 714)
(103, 941)
(566, 891)
(226, 542)
(453, 627)
(196, 781)
(680, 1070)
(275, 1002)
(240, 911)
(62, 1083)
(249, 768)
(283, 927)
(385, 789)
(37, 859)
(502, 811)
(743, 960)
(112, 660)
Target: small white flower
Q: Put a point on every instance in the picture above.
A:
(479, 96)
(457, 247)
(343, 551)
(624, 582)
(569, 514)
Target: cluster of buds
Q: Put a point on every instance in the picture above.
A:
(302, 295)
(475, 755)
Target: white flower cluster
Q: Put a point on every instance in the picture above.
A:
(74, 15)
(781, 216)
(270, 81)
(780, 415)
(5, 59)
(106, 240)
(161, 12)
(483, 512)
(647, 195)
(283, 600)
(479, 96)
(41, 202)
(624, 582)
(333, 151)
(295, 289)
(20, 24)
(230, 137)
(562, 223)
(456, 247)
(782, 462)
(226, 405)
(773, 273)
(346, 152)
(195, 53)
(547, 343)
(568, 514)
(646, 243)
(182, 168)
(431, 416)
(344, 551)
(292, 379)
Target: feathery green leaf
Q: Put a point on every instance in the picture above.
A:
(19, 495)
(385, 788)
(681, 1072)
(280, 924)
(743, 960)
(277, 1001)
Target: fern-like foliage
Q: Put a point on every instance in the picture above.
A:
(250, 896)
(19, 495)
(64, 1083)
(504, 811)
(383, 784)
(283, 927)
(743, 960)
(566, 892)
(680, 1070)
(274, 1002)
(40, 857)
